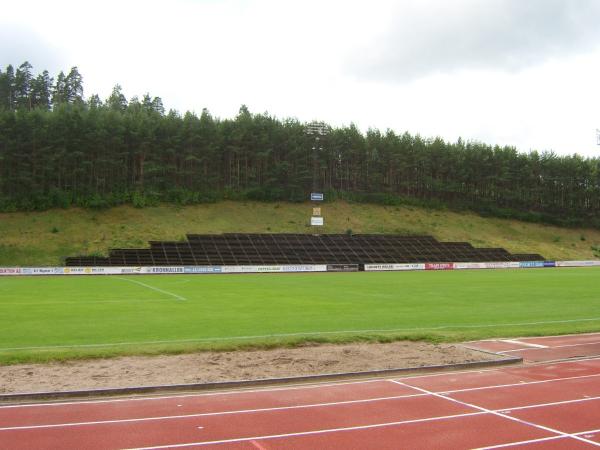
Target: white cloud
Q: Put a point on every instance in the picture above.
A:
(504, 82)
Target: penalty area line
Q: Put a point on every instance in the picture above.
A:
(178, 297)
(284, 335)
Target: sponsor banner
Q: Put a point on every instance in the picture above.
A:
(577, 263)
(383, 267)
(169, 269)
(531, 264)
(38, 270)
(342, 267)
(487, 265)
(275, 268)
(77, 270)
(124, 270)
(439, 266)
(10, 271)
(317, 196)
(202, 269)
(549, 263)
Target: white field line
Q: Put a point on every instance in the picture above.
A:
(514, 341)
(317, 385)
(316, 405)
(306, 333)
(551, 348)
(80, 302)
(178, 297)
(533, 441)
(503, 415)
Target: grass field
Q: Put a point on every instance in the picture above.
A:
(53, 318)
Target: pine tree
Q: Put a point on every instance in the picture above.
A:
(74, 86)
(23, 80)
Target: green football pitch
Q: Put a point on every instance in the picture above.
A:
(44, 318)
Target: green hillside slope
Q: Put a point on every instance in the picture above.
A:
(44, 238)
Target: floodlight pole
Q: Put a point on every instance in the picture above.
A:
(316, 129)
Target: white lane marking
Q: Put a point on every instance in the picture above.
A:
(499, 414)
(529, 441)
(311, 432)
(178, 297)
(305, 333)
(514, 341)
(317, 405)
(562, 335)
(218, 413)
(533, 441)
(551, 348)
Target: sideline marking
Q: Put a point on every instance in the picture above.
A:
(178, 297)
(306, 333)
(318, 405)
(505, 416)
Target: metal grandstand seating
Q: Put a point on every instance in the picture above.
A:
(261, 249)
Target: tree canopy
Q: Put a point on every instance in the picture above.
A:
(59, 149)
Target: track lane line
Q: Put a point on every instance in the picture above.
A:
(533, 441)
(217, 413)
(500, 414)
(514, 341)
(308, 433)
(549, 348)
(314, 405)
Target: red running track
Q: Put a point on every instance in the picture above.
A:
(547, 348)
(552, 405)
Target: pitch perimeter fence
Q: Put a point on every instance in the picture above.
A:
(299, 268)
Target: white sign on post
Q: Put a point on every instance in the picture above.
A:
(318, 221)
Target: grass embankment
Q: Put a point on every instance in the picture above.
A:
(45, 238)
(54, 318)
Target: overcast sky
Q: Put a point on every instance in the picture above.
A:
(511, 72)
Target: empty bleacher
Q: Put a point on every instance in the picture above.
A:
(266, 249)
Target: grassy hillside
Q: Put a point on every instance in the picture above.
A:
(43, 238)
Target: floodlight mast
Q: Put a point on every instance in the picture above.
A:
(316, 129)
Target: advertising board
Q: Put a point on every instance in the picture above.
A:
(577, 263)
(386, 267)
(342, 267)
(439, 266)
(531, 264)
